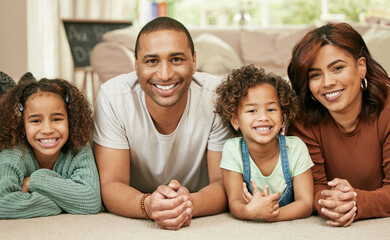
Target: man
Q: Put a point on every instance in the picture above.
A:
(156, 132)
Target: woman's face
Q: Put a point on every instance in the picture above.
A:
(334, 80)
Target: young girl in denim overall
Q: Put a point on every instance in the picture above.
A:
(266, 175)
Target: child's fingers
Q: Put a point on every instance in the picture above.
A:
(245, 193)
(276, 206)
(277, 195)
(266, 190)
(275, 213)
(254, 187)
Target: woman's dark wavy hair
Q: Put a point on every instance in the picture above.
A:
(164, 23)
(344, 37)
(78, 109)
(236, 85)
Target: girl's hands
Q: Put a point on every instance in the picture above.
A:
(262, 205)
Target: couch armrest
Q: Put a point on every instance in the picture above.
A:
(110, 59)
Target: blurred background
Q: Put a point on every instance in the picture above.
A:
(33, 37)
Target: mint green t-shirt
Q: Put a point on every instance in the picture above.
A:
(298, 159)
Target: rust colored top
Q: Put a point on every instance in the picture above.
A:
(362, 157)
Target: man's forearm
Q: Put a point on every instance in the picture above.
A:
(210, 200)
(122, 200)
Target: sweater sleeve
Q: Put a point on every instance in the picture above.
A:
(376, 203)
(73, 184)
(13, 202)
(308, 136)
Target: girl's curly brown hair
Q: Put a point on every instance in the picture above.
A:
(77, 106)
(236, 86)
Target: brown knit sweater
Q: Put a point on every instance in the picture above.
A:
(362, 157)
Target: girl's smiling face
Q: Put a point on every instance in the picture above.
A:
(46, 126)
(259, 115)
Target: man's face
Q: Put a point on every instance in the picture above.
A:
(165, 66)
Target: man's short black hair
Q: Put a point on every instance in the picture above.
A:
(164, 23)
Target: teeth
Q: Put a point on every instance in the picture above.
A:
(332, 94)
(263, 128)
(48, 141)
(165, 88)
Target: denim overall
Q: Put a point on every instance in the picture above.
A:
(288, 195)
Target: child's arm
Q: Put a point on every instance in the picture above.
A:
(303, 205)
(76, 188)
(13, 202)
(258, 207)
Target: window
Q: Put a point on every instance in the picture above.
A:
(271, 12)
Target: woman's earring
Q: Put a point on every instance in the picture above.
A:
(364, 84)
(312, 97)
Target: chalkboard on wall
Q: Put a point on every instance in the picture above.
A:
(83, 35)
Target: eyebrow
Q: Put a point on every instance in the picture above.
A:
(255, 104)
(51, 115)
(329, 65)
(174, 54)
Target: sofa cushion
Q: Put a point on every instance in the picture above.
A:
(230, 35)
(215, 56)
(271, 49)
(102, 56)
(377, 40)
(125, 36)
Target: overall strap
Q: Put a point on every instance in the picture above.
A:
(288, 195)
(246, 166)
(284, 158)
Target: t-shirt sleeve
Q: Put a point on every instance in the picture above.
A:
(218, 136)
(231, 156)
(108, 131)
(301, 156)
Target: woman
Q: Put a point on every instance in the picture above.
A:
(345, 123)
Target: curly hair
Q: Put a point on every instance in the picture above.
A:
(344, 37)
(236, 85)
(78, 109)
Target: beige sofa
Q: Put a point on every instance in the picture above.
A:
(221, 49)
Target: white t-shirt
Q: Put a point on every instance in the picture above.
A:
(123, 122)
(298, 160)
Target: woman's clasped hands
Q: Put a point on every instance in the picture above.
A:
(340, 203)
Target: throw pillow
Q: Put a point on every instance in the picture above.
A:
(215, 56)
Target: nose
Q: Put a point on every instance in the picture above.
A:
(328, 81)
(262, 116)
(47, 127)
(165, 72)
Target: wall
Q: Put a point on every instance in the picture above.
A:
(13, 37)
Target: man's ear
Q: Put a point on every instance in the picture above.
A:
(135, 63)
(234, 122)
(194, 62)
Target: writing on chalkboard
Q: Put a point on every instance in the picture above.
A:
(83, 35)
